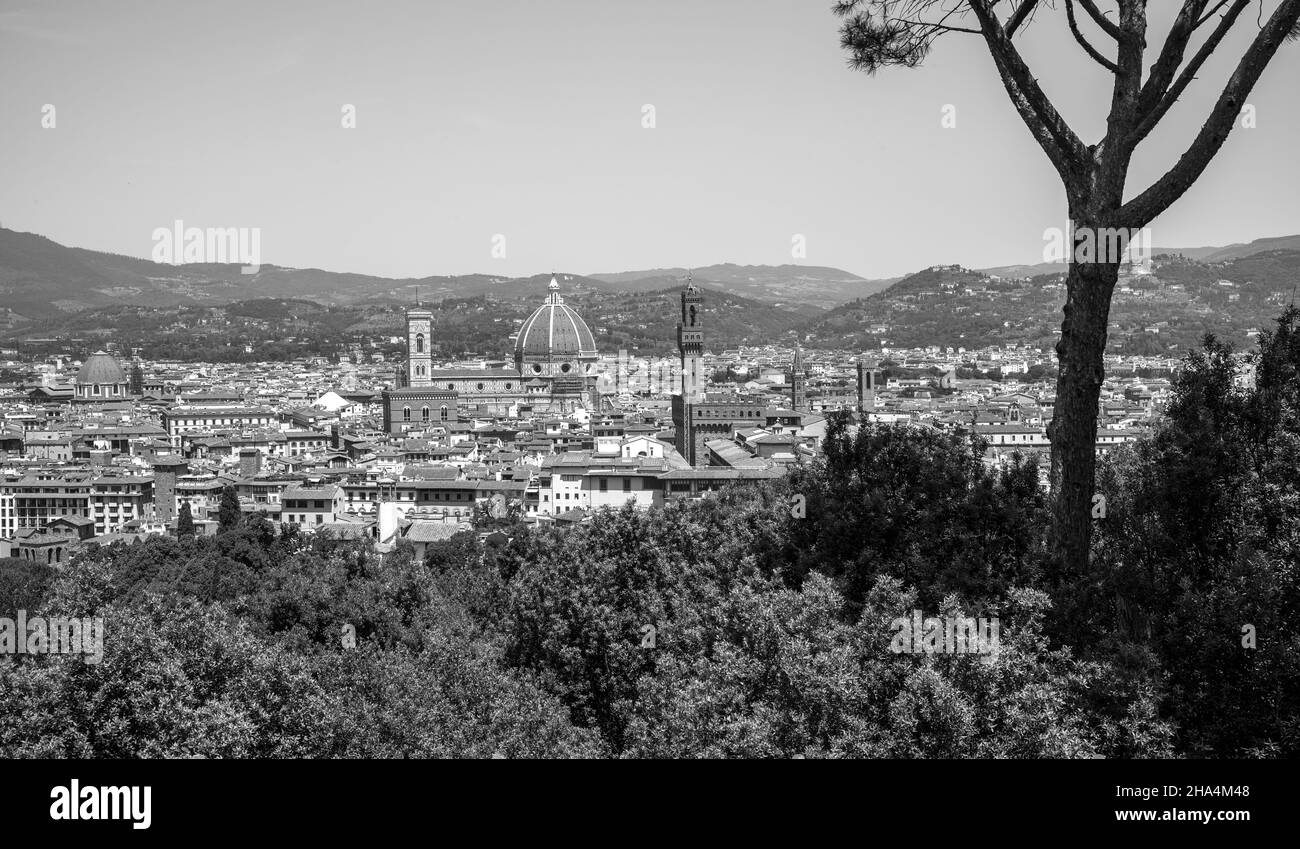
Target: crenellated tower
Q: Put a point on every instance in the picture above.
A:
(690, 343)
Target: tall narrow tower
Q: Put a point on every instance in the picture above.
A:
(690, 343)
(419, 341)
(868, 378)
(798, 396)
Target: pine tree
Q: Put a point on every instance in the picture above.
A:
(185, 522)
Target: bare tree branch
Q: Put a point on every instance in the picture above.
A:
(1139, 211)
(1083, 42)
(1210, 14)
(1112, 156)
(1053, 134)
(1165, 100)
(1019, 15)
(1108, 26)
(1171, 54)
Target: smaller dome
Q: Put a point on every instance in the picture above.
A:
(101, 368)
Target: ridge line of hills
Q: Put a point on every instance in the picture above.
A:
(48, 291)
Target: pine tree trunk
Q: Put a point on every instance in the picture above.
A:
(1073, 431)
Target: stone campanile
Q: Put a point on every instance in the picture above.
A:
(868, 381)
(419, 341)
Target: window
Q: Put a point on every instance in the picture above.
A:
(627, 484)
(442, 412)
(424, 413)
(419, 343)
(604, 484)
(451, 387)
(406, 414)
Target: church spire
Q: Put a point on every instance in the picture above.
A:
(798, 389)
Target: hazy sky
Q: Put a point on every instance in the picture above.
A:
(525, 119)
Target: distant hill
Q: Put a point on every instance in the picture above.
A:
(40, 278)
(51, 291)
(1164, 313)
(791, 286)
(1206, 254)
(1276, 243)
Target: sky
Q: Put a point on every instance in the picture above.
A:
(526, 120)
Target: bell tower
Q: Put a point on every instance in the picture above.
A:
(798, 394)
(419, 343)
(868, 381)
(690, 343)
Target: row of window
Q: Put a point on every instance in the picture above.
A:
(723, 414)
(424, 413)
(213, 422)
(305, 504)
(95, 390)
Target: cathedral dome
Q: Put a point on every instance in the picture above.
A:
(554, 332)
(100, 368)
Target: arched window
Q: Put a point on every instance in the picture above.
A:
(419, 343)
(451, 387)
(442, 412)
(406, 414)
(424, 413)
